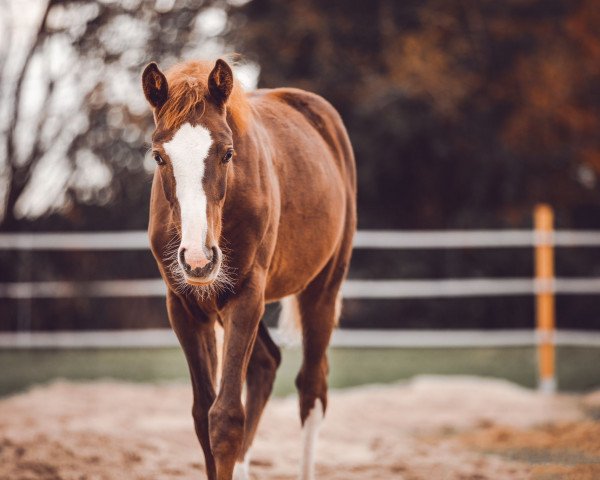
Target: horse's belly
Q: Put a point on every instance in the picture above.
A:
(308, 238)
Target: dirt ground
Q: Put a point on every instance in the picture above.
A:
(430, 428)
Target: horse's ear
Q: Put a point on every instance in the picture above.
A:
(155, 86)
(220, 82)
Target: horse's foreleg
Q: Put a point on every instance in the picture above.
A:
(227, 417)
(264, 361)
(196, 334)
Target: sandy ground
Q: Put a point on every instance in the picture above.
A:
(431, 428)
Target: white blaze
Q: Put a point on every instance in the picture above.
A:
(188, 150)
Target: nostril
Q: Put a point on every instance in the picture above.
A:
(185, 265)
(212, 256)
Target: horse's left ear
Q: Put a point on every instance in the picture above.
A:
(220, 82)
(155, 86)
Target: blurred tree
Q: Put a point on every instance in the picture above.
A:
(462, 113)
(73, 120)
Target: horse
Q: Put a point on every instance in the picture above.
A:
(253, 201)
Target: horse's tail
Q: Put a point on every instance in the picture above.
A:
(338, 308)
(289, 327)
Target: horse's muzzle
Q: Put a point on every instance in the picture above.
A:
(205, 274)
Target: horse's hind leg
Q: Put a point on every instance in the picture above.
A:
(319, 310)
(260, 377)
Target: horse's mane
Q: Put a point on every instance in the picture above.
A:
(188, 86)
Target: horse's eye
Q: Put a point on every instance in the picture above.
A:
(158, 159)
(228, 155)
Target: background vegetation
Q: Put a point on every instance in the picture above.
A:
(463, 114)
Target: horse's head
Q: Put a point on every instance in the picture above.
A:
(193, 147)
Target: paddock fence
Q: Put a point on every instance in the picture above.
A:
(544, 286)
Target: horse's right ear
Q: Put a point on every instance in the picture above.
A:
(155, 86)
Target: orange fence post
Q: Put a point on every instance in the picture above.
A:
(544, 283)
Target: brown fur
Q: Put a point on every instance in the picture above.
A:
(284, 213)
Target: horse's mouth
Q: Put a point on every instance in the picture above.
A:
(205, 277)
(199, 282)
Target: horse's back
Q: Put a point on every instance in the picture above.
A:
(322, 117)
(317, 184)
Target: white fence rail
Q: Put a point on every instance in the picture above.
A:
(430, 239)
(371, 239)
(359, 289)
(344, 338)
(366, 239)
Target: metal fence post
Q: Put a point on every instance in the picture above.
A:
(545, 306)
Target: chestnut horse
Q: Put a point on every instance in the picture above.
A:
(253, 201)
